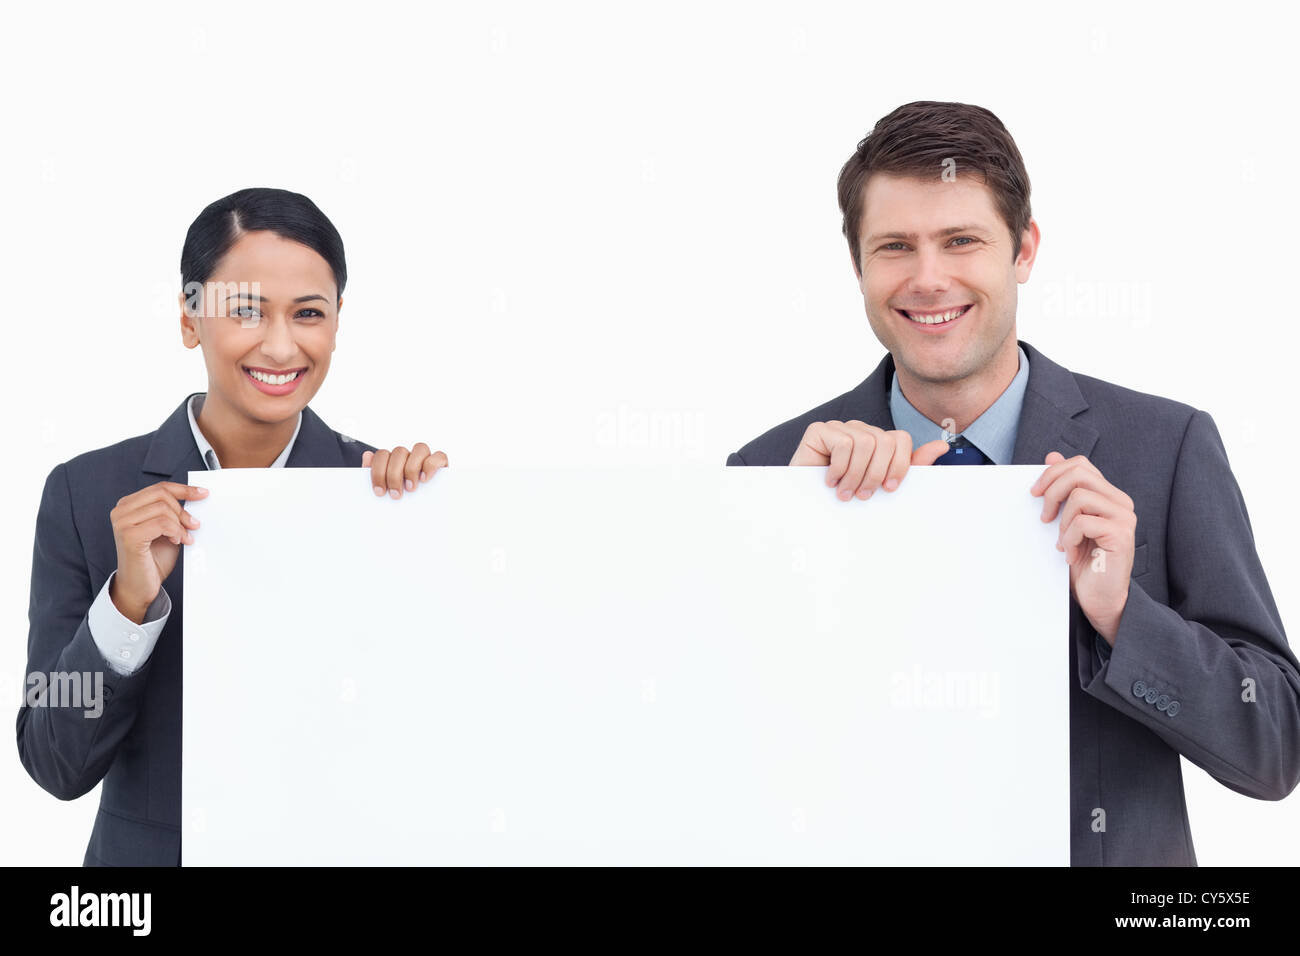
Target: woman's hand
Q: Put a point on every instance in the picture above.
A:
(390, 470)
(149, 528)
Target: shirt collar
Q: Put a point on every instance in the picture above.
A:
(209, 453)
(993, 433)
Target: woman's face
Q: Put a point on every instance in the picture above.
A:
(269, 306)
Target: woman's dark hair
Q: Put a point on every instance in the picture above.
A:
(923, 139)
(289, 215)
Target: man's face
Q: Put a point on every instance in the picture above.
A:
(931, 247)
(291, 326)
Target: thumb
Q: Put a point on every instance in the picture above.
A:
(930, 452)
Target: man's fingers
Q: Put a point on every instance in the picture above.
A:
(930, 452)
(812, 448)
(864, 448)
(840, 445)
(898, 465)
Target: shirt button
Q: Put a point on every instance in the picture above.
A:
(126, 654)
(135, 637)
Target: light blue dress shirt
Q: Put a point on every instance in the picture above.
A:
(125, 644)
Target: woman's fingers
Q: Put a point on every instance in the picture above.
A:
(399, 470)
(158, 500)
(166, 526)
(378, 462)
(415, 465)
(396, 469)
(431, 463)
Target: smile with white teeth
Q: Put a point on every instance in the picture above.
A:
(273, 379)
(935, 318)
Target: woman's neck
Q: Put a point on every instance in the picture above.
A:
(238, 441)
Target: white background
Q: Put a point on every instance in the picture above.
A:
(600, 233)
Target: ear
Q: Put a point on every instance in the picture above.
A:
(1029, 240)
(189, 324)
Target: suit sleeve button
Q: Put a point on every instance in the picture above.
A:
(1174, 708)
(1139, 689)
(1152, 695)
(1162, 702)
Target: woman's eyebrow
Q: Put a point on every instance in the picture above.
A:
(260, 298)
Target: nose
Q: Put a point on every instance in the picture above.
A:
(277, 341)
(930, 276)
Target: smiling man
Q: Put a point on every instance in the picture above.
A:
(1176, 641)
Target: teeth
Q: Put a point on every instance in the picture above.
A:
(273, 379)
(936, 319)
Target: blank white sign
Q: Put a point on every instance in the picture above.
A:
(648, 665)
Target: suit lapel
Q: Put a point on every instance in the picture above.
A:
(317, 445)
(1047, 418)
(172, 452)
(869, 402)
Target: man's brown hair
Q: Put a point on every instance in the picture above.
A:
(922, 139)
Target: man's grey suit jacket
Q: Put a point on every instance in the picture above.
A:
(134, 746)
(1199, 621)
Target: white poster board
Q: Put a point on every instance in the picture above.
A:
(647, 665)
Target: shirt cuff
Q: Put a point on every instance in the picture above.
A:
(125, 644)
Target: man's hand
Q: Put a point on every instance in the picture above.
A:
(863, 457)
(389, 470)
(1097, 534)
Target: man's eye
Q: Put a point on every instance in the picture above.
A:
(969, 239)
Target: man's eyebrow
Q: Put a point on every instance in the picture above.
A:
(951, 230)
(258, 298)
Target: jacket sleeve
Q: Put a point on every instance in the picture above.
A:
(68, 748)
(1212, 673)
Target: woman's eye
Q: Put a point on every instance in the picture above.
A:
(245, 312)
(311, 313)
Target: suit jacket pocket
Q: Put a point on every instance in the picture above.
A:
(1139, 560)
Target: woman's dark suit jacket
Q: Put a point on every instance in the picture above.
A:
(134, 745)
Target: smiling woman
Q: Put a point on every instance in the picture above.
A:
(262, 272)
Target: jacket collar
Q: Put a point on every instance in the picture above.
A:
(1047, 417)
(173, 452)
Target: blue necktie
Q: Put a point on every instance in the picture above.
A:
(963, 452)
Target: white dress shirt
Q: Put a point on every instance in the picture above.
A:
(125, 644)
